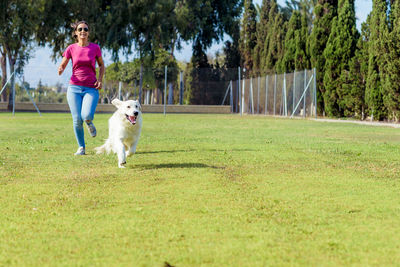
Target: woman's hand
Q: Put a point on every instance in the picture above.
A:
(60, 70)
(98, 85)
(62, 66)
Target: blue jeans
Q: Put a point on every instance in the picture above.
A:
(82, 102)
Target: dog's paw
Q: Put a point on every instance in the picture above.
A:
(121, 165)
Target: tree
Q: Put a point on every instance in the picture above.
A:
(262, 32)
(288, 62)
(274, 42)
(20, 19)
(324, 12)
(247, 41)
(374, 91)
(302, 58)
(339, 51)
(391, 83)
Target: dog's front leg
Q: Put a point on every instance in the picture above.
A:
(121, 154)
(132, 149)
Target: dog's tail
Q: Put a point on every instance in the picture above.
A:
(104, 148)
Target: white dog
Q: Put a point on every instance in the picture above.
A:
(124, 129)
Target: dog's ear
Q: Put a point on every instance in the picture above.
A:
(116, 102)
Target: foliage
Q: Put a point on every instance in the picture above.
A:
(288, 62)
(339, 51)
(19, 20)
(374, 88)
(248, 38)
(391, 83)
(273, 46)
(324, 12)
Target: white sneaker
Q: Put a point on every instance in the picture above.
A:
(80, 151)
(91, 129)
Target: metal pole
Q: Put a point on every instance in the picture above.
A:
(238, 92)
(266, 95)
(251, 96)
(6, 82)
(242, 105)
(315, 92)
(13, 92)
(119, 90)
(30, 97)
(284, 90)
(304, 99)
(165, 90)
(308, 85)
(274, 94)
(231, 98)
(181, 89)
(258, 96)
(226, 94)
(294, 90)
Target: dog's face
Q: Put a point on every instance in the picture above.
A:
(131, 109)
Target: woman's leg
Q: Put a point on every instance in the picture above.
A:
(89, 104)
(74, 97)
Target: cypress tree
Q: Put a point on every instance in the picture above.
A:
(302, 58)
(274, 41)
(391, 86)
(248, 36)
(374, 90)
(339, 51)
(324, 12)
(288, 61)
(262, 31)
(355, 80)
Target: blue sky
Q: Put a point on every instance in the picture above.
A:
(41, 67)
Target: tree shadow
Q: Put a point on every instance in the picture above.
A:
(175, 166)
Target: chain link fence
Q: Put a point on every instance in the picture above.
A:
(289, 94)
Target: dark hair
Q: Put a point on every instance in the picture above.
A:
(75, 25)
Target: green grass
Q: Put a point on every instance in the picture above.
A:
(211, 190)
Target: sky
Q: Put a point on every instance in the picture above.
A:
(41, 67)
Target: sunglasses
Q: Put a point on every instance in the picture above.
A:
(84, 29)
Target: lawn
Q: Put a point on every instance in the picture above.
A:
(202, 190)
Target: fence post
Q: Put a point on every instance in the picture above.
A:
(231, 97)
(275, 94)
(304, 88)
(119, 90)
(294, 90)
(284, 101)
(243, 90)
(13, 94)
(251, 97)
(165, 90)
(266, 94)
(238, 92)
(181, 89)
(315, 92)
(258, 95)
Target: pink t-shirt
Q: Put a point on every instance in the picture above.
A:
(83, 63)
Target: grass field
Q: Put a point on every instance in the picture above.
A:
(202, 190)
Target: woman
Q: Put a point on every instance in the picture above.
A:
(82, 93)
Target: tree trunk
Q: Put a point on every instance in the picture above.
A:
(3, 65)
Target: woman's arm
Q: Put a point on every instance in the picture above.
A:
(102, 68)
(62, 66)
